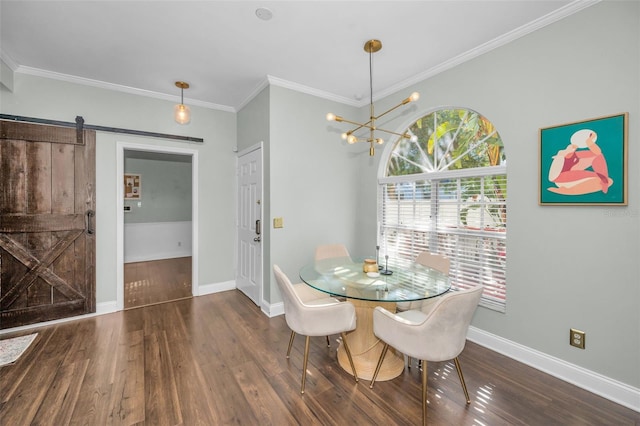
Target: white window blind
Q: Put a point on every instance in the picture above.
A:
(460, 214)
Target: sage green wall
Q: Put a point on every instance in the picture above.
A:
(567, 266)
(53, 99)
(166, 191)
(313, 176)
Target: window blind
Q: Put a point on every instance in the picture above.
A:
(459, 215)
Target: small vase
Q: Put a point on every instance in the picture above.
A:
(370, 265)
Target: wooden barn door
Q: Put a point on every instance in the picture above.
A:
(47, 223)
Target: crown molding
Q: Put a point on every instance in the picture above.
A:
(116, 87)
(8, 61)
(311, 91)
(568, 10)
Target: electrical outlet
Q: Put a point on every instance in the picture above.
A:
(576, 338)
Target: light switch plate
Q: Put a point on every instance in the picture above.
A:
(277, 222)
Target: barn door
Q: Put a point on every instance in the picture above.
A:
(47, 223)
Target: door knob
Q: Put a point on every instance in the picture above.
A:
(257, 239)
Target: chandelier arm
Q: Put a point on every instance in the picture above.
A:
(367, 125)
(391, 109)
(404, 135)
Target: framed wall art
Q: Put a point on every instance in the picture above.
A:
(584, 163)
(132, 187)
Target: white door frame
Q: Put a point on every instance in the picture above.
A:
(120, 148)
(258, 146)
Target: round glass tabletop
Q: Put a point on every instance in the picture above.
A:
(344, 277)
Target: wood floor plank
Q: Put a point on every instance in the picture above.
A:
(127, 400)
(266, 405)
(62, 396)
(156, 281)
(218, 360)
(162, 404)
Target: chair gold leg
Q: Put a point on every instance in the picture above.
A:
(424, 393)
(293, 334)
(346, 349)
(464, 386)
(304, 363)
(375, 374)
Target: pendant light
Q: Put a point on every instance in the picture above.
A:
(181, 111)
(371, 47)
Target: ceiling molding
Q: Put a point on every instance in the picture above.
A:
(570, 9)
(311, 91)
(8, 61)
(117, 87)
(555, 16)
(264, 83)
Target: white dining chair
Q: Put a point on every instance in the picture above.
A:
(432, 260)
(317, 317)
(437, 334)
(329, 251)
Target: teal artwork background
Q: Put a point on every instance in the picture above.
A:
(611, 140)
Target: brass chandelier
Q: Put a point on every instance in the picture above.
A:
(372, 46)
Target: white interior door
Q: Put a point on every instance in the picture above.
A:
(249, 271)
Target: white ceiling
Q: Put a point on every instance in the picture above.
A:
(227, 54)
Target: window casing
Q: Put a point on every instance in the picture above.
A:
(446, 193)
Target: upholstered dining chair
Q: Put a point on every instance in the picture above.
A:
(309, 295)
(317, 317)
(437, 334)
(432, 260)
(328, 251)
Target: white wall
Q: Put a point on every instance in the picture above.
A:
(57, 100)
(156, 240)
(567, 266)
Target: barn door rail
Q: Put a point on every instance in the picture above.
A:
(79, 125)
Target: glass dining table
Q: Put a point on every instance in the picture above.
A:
(402, 282)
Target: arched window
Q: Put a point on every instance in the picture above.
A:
(446, 193)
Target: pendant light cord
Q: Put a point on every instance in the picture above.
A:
(371, 79)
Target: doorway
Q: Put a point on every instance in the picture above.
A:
(157, 224)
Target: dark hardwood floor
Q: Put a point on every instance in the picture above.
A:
(156, 281)
(217, 360)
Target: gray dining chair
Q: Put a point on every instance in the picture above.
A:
(317, 317)
(437, 334)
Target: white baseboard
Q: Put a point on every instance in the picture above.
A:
(216, 287)
(106, 307)
(272, 310)
(603, 386)
(147, 257)
(101, 309)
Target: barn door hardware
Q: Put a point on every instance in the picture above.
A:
(79, 125)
